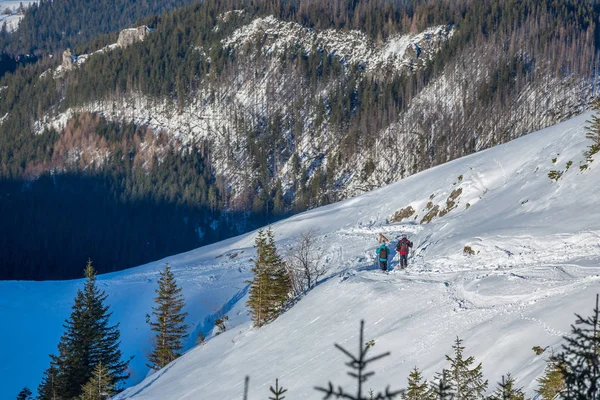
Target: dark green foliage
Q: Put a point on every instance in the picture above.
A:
(87, 341)
(418, 388)
(133, 210)
(271, 284)
(277, 392)
(185, 55)
(51, 26)
(169, 321)
(466, 381)
(358, 370)
(24, 394)
(555, 175)
(579, 360)
(538, 350)
(442, 390)
(507, 391)
(49, 388)
(552, 382)
(220, 324)
(100, 386)
(593, 133)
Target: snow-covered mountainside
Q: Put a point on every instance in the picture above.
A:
(475, 99)
(536, 261)
(10, 13)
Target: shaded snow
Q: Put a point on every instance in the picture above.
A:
(538, 251)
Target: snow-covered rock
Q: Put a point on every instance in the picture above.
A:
(353, 47)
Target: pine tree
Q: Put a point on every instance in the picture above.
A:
(552, 382)
(417, 389)
(49, 388)
(271, 284)
(507, 391)
(358, 365)
(467, 383)
(24, 394)
(580, 359)
(281, 285)
(257, 301)
(100, 386)
(442, 390)
(277, 392)
(169, 325)
(88, 340)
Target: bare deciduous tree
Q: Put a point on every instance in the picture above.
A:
(305, 264)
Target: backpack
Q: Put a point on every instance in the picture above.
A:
(403, 247)
(383, 252)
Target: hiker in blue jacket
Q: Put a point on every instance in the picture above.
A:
(382, 252)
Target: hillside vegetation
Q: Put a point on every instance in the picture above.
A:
(295, 104)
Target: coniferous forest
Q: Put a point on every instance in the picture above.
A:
(135, 195)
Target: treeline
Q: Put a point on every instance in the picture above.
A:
(50, 26)
(184, 59)
(130, 208)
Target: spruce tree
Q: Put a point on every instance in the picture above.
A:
(271, 284)
(277, 392)
(258, 303)
(24, 394)
(507, 391)
(169, 324)
(552, 382)
(467, 383)
(417, 389)
(88, 340)
(442, 390)
(281, 285)
(100, 386)
(580, 359)
(49, 388)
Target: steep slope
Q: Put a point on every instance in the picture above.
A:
(536, 263)
(289, 105)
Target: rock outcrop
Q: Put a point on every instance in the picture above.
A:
(127, 37)
(67, 60)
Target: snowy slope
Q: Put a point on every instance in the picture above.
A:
(13, 18)
(537, 243)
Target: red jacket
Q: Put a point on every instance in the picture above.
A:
(399, 246)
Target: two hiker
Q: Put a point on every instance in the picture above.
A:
(402, 248)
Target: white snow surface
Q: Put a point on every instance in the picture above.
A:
(12, 20)
(537, 245)
(354, 47)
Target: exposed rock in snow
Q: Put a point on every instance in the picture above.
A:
(68, 60)
(127, 37)
(354, 47)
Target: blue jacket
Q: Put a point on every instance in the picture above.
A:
(383, 246)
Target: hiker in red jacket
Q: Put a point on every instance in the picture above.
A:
(402, 248)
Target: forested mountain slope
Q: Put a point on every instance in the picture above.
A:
(288, 105)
